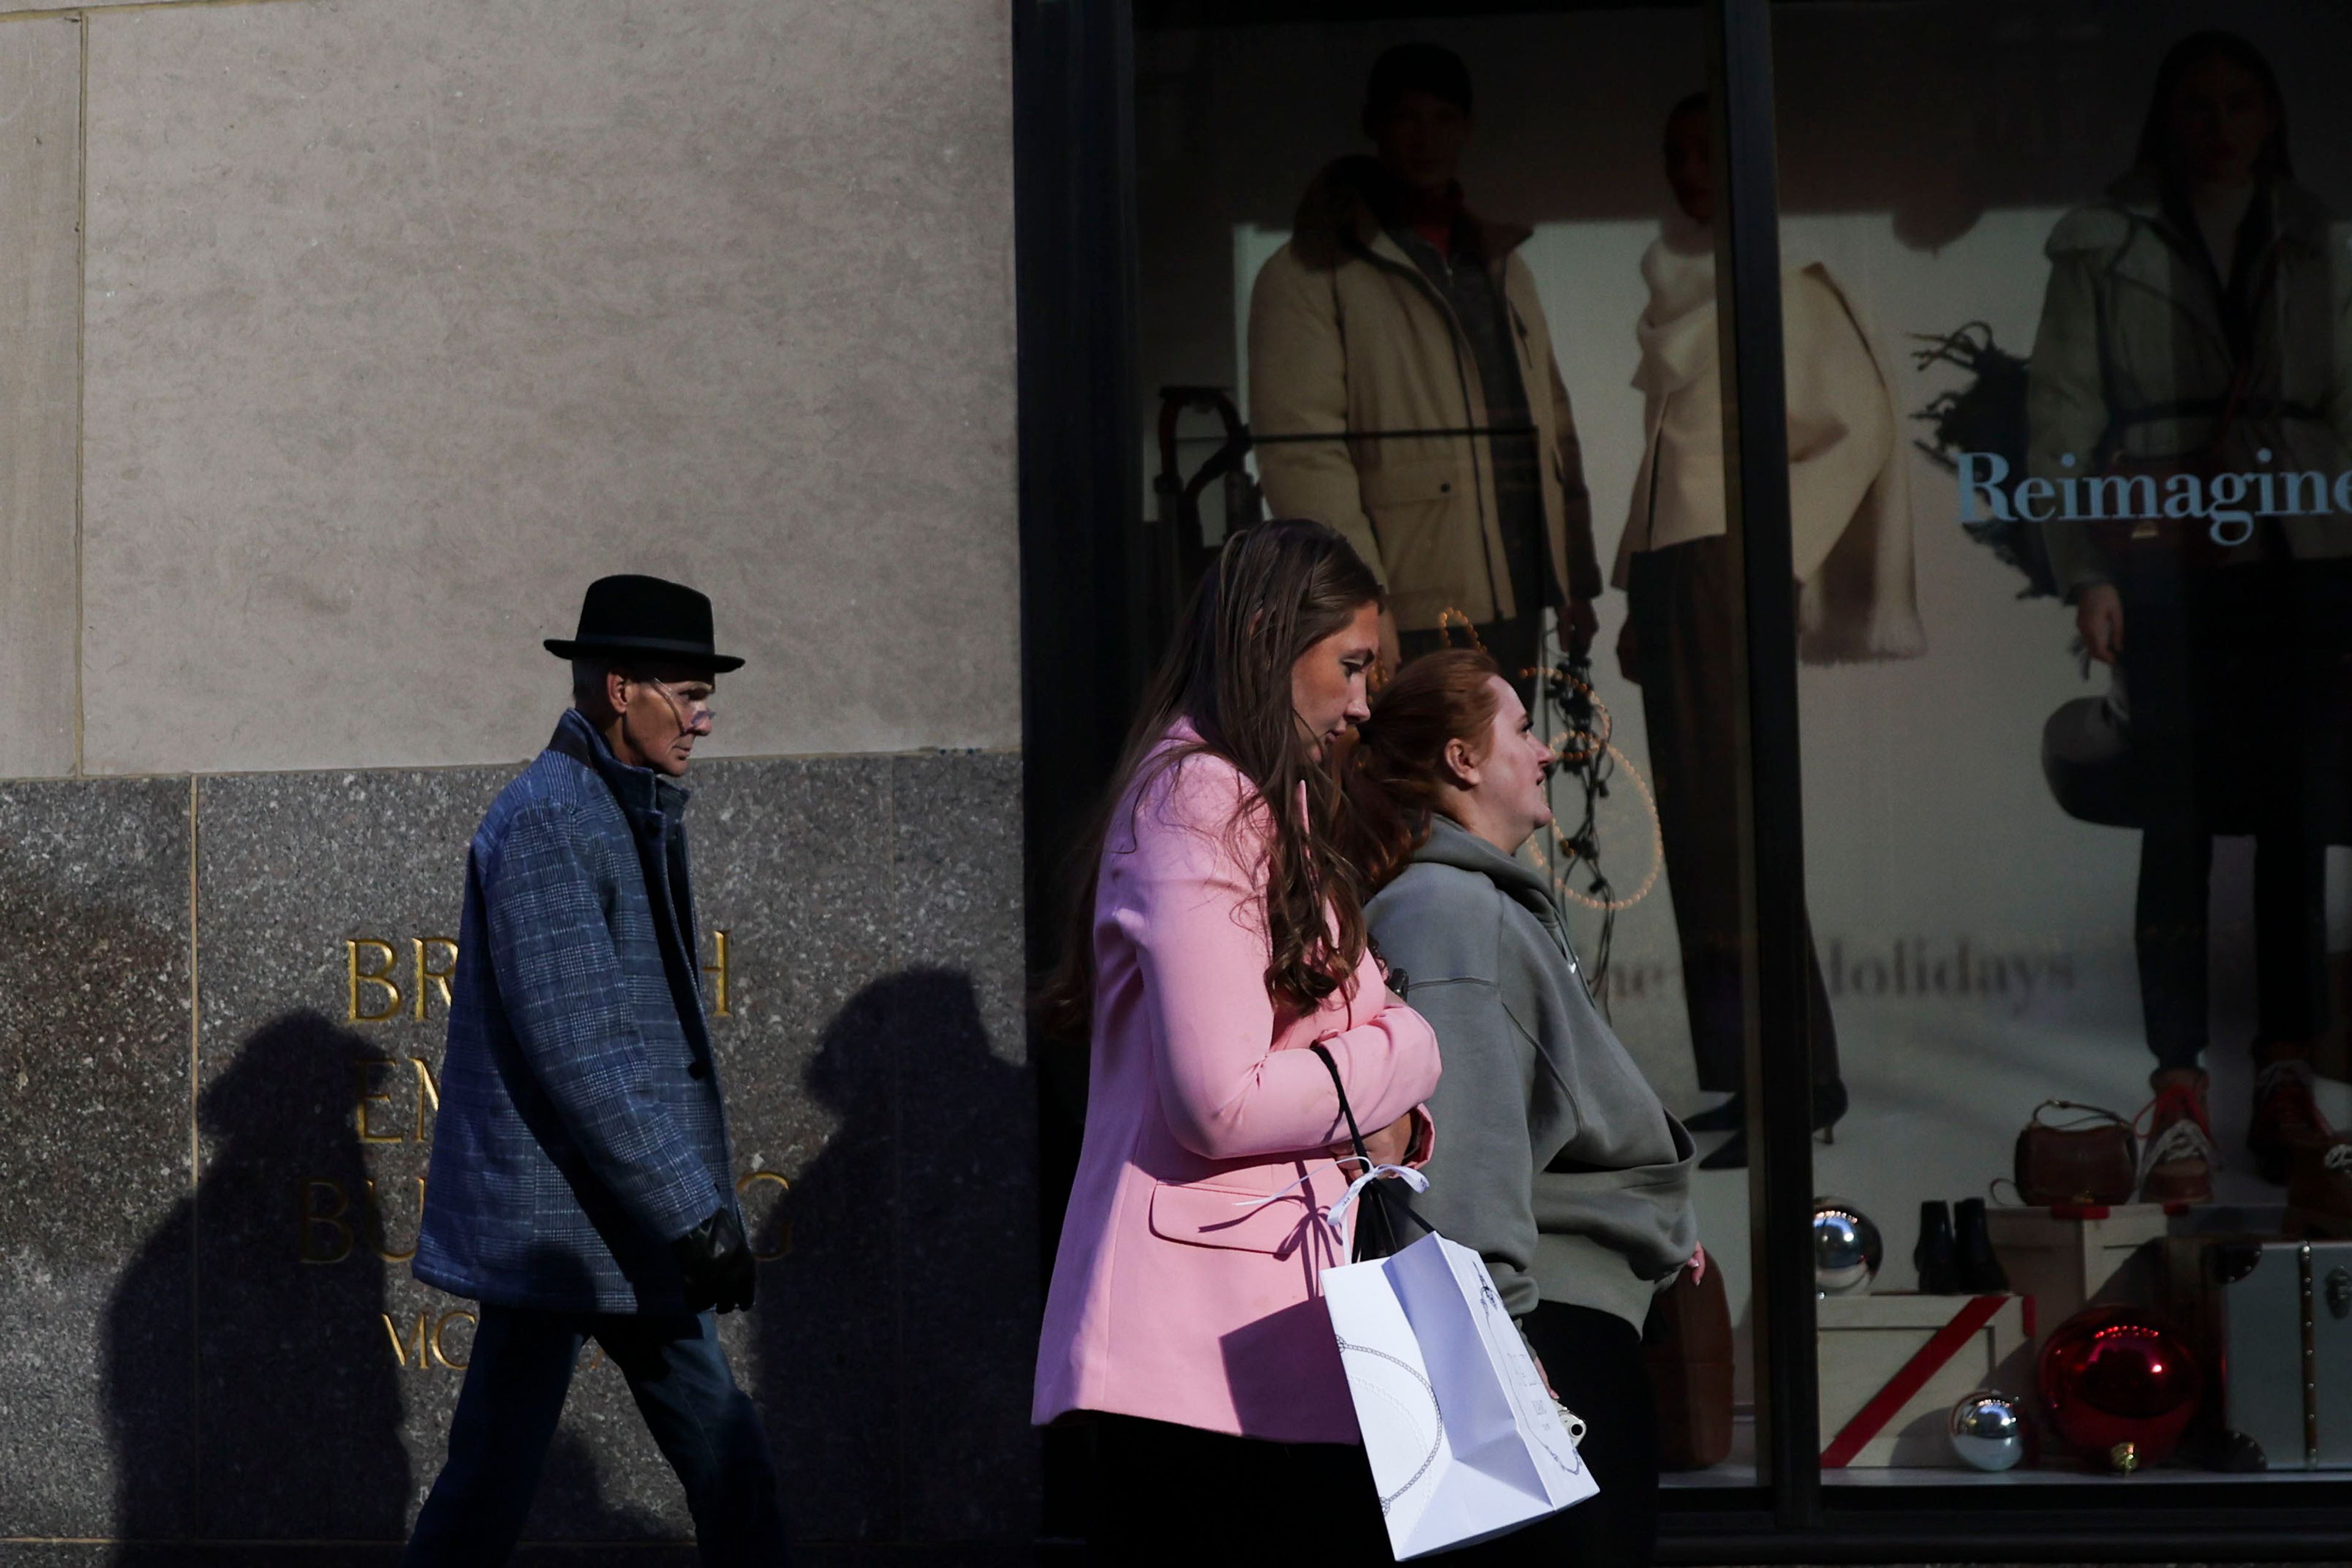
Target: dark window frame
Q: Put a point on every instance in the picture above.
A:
(1083, 662)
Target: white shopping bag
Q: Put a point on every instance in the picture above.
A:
(1464, 1441)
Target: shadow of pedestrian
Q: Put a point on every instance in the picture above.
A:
(897, 1328)
(262, 1297)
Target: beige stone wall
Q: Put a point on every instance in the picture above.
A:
(40, 307)
(392, 322)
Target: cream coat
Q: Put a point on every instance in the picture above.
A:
(1346, 335)
(1849, 478)
(2131, 328)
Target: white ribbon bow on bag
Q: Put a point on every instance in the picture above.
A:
(1336, 1217)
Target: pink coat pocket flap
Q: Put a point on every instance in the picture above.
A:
(1228, 1217)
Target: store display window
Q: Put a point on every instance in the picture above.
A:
(1902, 454)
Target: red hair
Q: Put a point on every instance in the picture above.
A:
(1396, 770)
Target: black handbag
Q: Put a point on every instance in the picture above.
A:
(2086, 759)
(1381, 1209)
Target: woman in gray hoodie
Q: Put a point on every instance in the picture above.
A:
(1554, 1158)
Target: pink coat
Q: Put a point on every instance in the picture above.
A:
(1184, 1290)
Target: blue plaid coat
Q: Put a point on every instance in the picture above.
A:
(580, 1129)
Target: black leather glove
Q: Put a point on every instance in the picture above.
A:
(715, 1256)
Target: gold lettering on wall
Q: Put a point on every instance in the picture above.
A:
(399, 1349)
(365, 1071)
(441, 1342)
(428, 1096)
(330, 1221)
(429, 978)
(718, 972)
(330, 1231)
(427, 1341)
(383, 1226)
(375, 975)
(784, 1235)
(374, 994)
(380, 988)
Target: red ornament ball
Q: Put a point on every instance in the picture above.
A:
(2120, 1387)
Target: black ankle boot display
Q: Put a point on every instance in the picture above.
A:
(1936, 1255)
(1980, 1271)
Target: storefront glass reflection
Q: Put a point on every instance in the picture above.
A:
(2086, 849)
(1455, 277)
(2065, 298)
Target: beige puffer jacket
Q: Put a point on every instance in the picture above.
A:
(1347, 336)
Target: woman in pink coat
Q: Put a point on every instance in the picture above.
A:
(1225, 936)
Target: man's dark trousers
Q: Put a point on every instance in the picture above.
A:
(520, 1370)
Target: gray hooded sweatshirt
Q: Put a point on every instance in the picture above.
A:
(1554, 1158)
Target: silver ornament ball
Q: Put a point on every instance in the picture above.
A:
(1847, 1249)
(1988, 1430)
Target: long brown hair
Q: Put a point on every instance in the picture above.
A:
(1277, 590)
(2160, 149)
(1394, 774)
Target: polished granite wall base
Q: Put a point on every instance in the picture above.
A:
(203, 1233)
(94, 1150)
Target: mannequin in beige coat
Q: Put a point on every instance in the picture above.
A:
(1851, 527)
(1848, 484)
(1403, 388)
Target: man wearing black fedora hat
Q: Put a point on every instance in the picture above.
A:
(581, 1186)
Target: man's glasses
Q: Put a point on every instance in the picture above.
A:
(693, 714)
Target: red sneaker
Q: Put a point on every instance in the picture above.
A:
(2284, 1117)
(2319, 1194)
(2176, 1157)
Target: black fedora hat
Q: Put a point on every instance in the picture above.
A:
(627, 616)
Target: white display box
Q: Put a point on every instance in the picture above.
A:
(2070, 1257)
(1892, 1367)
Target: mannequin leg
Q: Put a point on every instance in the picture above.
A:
(1683, 629)
(1680, 601)
(2176, 852)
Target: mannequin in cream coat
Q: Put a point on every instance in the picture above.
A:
(1850, 536)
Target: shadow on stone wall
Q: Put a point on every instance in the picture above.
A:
(870, 1357)
(898, 1410)
(298, 1394)
(298, 1399)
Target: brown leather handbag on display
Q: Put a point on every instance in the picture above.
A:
(2092, 1159)
(1687, 1344)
